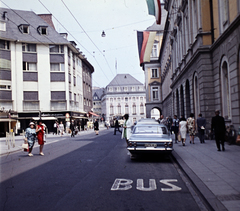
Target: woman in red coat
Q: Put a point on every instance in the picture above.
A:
(40, 134)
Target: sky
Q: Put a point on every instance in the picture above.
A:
(84, 20)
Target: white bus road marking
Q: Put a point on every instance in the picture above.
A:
(173, 187)
(125, 184)
(152, 185)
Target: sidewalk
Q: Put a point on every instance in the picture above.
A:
(215, 174)
(19, 140)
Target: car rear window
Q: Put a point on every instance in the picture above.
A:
(150, 130)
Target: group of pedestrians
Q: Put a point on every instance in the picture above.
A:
(34, 132)
(180, 128)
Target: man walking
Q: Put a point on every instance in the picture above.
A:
(116, 127)
(201, 124)
(72, 128)
(218, 126)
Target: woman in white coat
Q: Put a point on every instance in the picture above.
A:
(126, 133)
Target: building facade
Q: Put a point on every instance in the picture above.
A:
(97, 100)
(199, 59)
(124, 95)
(41, 73)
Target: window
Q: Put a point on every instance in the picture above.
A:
(29, 66)
(141, 98)
(155, 93)
(57, 67)
(111, 109)
(126, 109)
(42, 30)
(141, 109)
(110, 89)
(126, 99)
(133, 98)
(69, 78)
(28, 47)
(56, 48)
(24, 28)
(4, 44)
(155, 73)
(75, 97)
(74, 81)
(5, 87)
(154, 50)
(125, 88)
(133, 88)
(2, 26)
(111, 100)
(118, 89)
(134, 109)
(70, 95)
(119, 109)
(119, 99)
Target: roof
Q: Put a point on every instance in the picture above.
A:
(98, 92)
(124, 80)
(15, 18)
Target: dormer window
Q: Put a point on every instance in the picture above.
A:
(2, 26)
(42, 30)
(24, 28)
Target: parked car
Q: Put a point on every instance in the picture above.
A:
(150, 138)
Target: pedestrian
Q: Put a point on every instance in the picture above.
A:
(201, 124)
(40, 134)
(169, 123)
(116, 128)
(55, 127)
(219, 129)
(67, 127)
(183, 129)
(72, 128)
(191, 127)
(175, 127)
(126, 133)
(30, 137)
(96, 127)
(61, 128)
(107, 124)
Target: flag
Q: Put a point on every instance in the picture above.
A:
(145, 43)
(154, 8)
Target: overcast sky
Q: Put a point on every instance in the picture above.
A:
(120, 19)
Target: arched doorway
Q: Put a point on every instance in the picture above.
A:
(155, 113)
(225, 89)
(182, 101)
(196, 95)
(187, 91)
(177, 103)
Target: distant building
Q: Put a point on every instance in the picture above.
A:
(97, 100)
(42, 74)
(124, 95)
(199, 59)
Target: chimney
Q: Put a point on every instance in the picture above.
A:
(4, 15)
(47, 18)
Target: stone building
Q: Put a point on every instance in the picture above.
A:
(97, 100)
(124, 95)
(200, 57)
(41, 71)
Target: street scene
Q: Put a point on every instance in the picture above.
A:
(120, 105)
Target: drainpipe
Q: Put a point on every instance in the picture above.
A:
(211, 16)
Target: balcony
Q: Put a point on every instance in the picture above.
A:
(59, 105)
(30, 105)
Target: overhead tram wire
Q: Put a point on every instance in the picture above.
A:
(74, 38)
(87, 34)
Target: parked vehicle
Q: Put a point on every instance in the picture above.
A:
(150, 138)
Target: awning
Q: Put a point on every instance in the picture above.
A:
(7, 120)
(93, 114)
(45, 118)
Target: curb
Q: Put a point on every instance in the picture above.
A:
(209, 198)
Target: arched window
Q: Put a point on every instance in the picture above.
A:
(126, 109)
(225, 89)
(188, 106)
(141, 109)
(177, 103)
(182, 101)
(111, 109)
(119, 108)
(134, 112)
(196, 94)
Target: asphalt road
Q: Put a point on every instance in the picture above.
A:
(91, 172)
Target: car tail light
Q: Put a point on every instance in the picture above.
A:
(135, 144)
(170, 144)
(165, 144)
(130, 144)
